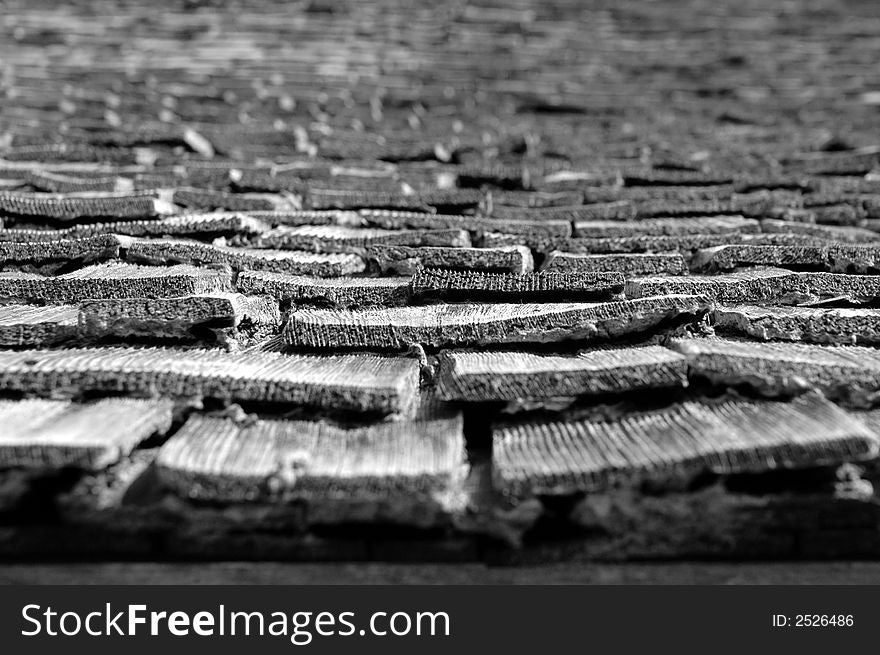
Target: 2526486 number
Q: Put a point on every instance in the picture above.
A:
(823, 620)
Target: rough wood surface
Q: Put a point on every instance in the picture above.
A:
(340, 238)
(440, 284)
(407, 260)
(846, 373)
(82, 205)
(751, 285)
(84, 249)
(339, 291)
(51, 434)
(467, 324)
(418, 177)
(404, 472)
(629, 265)
(113, 280)
(512, 376)
(682, 440)
(808, 324)
(216, 223)
(35, 326)
(177, 317)
(357, 382)
(166, 251)
(666, 227)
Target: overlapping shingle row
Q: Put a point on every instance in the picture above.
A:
(532, 280)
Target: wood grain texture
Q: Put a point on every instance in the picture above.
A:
(464, 324)
(406, 260)
(347, 382)
(84, 249)
(176, 317)
(214, 223)
(806, 324)
(845, 373)
(340, 238)
(403, 471)
(628, 264)
(51, 434)
(164, 251)
(681, 440)
(470, 376)
(440, 284)
(34, 325)
(666, 227)
(751, 285)
(339, 291)
(113, 280)
(77, 206)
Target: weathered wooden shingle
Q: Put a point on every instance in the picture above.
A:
(606, 245)
(628, 264)
(407, 260)
(532, 199)
(462, 324)
(526, 230)
(682, 440)
(210, 224)
(49, 182)
(339, 238)
(512, 287)
(404, 471)
(339, 291)
(618, 210)
(729, 257)
(837, 326)
(843, 234)
(854, 258)
(113, 281)
(162, 251)
(355, 382)
(355, 199)
(212, 199)
(849, 373)
(472, 376)
(159, 318)
(84, 249)
(307, 217)
(856, 288)
(666, 227)
(52, 434)
(33, 325)
(84, 205)
(749, 285)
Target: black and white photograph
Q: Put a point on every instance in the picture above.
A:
(411, 292)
